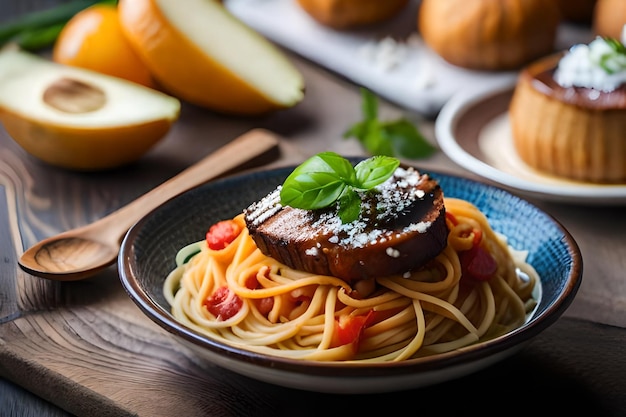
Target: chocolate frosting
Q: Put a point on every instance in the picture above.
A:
(541, 76)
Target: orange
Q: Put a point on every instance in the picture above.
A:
(93, 39)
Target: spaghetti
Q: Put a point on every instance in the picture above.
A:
(243, 298)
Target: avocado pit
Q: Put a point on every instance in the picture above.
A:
(74, 96)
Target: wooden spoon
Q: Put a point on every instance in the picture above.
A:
(80, 253)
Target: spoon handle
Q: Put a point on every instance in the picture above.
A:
(232, 155)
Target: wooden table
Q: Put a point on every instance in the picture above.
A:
(85, 348)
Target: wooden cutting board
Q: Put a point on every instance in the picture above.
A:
(87, 348)
(84, 345)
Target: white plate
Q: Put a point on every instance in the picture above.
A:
(421, 81)
(473, 130)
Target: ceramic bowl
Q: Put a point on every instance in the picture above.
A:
(149, 249)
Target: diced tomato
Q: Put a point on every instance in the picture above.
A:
(264, 305)
(223, 303)
(302, 294)
(348, 329)
(477, 263)
(252, 283)
(222, 233)
(478, 236)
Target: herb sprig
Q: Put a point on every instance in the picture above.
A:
(391, 138)
(615, 60)
(327, 177)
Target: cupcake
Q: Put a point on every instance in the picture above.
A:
(568, 113)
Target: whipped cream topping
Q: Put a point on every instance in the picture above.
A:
(597, 65)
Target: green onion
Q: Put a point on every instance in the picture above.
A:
(39, 29)
(34, 39)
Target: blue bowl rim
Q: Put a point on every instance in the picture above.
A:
(480, 351)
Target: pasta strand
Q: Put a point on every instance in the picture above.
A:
(294, 314)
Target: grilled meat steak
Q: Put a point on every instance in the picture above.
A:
(401, 227)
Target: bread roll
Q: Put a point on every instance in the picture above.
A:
(489, 35)
(345, 14)
(609, 18)
(577, 11)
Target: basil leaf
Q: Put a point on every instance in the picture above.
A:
(318, 182)
(615, 45)
(332, 162)
(349, 206)
(407, 140)
(311, 191)
(327, 177)
(377, 143)
(369, 105)
(358, 130)
(369, 109)
(374, 171)
(390, 138)
(615, 60)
